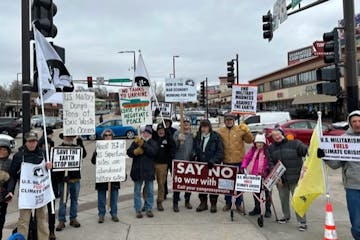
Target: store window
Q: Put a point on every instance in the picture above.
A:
(307, 77)
(274, 85)
(289, 81)
(261, 88)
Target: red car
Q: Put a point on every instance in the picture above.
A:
(302, 129)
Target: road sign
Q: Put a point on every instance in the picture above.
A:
(282, 11)
(319, 46)
(276, 15)
(294, 3)
(119, 80)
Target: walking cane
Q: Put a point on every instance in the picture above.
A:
(108, 195)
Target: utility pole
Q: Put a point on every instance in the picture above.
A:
(206, 98)
(351, 81)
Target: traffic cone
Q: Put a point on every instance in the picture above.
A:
(330, 229)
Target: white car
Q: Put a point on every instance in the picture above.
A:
(10, 139)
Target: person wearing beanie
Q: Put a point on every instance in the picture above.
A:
(163, 157)
(351, 177)
(234, 138)
(143, 151)
(208, 148)
(290, 153)
(256, 163)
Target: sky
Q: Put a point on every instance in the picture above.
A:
(205, 34)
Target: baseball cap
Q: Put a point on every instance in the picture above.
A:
(31, 136)
(229, 116)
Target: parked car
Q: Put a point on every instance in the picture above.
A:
(261, 120)
(302, 129)
(35, 121)
(10, 139)
(116, 126)
(10, 126)
(52, 122)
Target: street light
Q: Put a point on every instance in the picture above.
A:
(176, 56)
(17, 96)
(133, 52)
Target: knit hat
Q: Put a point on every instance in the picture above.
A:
(279, 129)
(148, 129)
(353, 114)
(260, 138)
(159, 126)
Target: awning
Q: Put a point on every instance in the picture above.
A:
(319, 98)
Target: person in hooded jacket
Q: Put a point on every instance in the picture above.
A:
(208, 148)
(169, 130)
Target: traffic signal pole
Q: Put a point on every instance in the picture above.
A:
(206, 98)
(351, 81)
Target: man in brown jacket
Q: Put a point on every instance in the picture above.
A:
(234, 138)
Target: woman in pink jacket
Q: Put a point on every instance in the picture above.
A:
(256, 163)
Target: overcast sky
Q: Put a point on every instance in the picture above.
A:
(204, 33)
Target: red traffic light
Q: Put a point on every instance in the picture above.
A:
(90, 82)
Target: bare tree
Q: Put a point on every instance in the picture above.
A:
(15, 91)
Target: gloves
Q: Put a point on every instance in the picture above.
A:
(210, 165)
(138, 151)
(244, 127)
(79, 142)
(139, 141)
(66, 179)
(181, 137)
(320, 153)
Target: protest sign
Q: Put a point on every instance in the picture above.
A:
(135, 106)
(248, 183)
(342, 148)
(164, 107)
(196, 177)
(66, 158)
(110, 160)
(79, 113)
(35, 188)
(180, 90)
(274, 175)
(244, 99)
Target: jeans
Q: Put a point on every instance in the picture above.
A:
(284, 194)
(353, 204)
(73, 189)
(149, 189)
(114, 195)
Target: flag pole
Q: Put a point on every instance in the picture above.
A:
(326, 178)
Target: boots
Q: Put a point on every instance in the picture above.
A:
(255, 211)
(213, 206)
(160, 206)
(203, 205)
(175, 207)
(188, 204)
(52, 236)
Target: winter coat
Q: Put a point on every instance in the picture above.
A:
(234, 140)
(350, 169)
(214, 151)
(166, 150)
(103, 185)
(290, 153)
(143, 166)
(260, 165)
(184, 151)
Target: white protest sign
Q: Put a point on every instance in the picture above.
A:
(135, 106)
(342, 148)
(274, 175)
(180, 90)
(165, 108)
(244, 99)
(66, 158)
(35, 190)
(110, 160)
(79, 113)
(248, 183)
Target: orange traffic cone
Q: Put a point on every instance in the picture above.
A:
(330, 229)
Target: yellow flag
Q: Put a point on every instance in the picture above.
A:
(311, 183)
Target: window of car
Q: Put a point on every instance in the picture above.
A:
(108, 123)
(299, 125)
(118, 123)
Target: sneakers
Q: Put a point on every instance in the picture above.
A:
(302, 227)
(283, 220)
(188, 205)
(139, 215)
(74, 223)
(254, 212)
(115, 219)
(227, 207)
(60, 226)
(149, 214)
(176, 207)
(52, 236)
(101, 219)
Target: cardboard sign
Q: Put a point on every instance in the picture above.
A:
(180, 90)
(248, 183)
(341, 148)
(196, 177)
(79, 113)
(274, 176)
(110, 160)
(66, 158)
(35, 190)
(244, 99)
(165, 108)
(135, 106)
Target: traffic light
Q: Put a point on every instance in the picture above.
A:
(230, 74)
(331, 47)
(332, 76)
(42, 13)
(267, 26)
(202, 94)
(90, 82)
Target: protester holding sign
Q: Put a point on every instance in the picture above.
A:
(184, 151)
(290, 153)
(169, 131)
(208, 148)
(103, 187)
(30, 156)
(143, 151)
(234, 138)
(256, 163)
(72, 181)
(350, 176)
